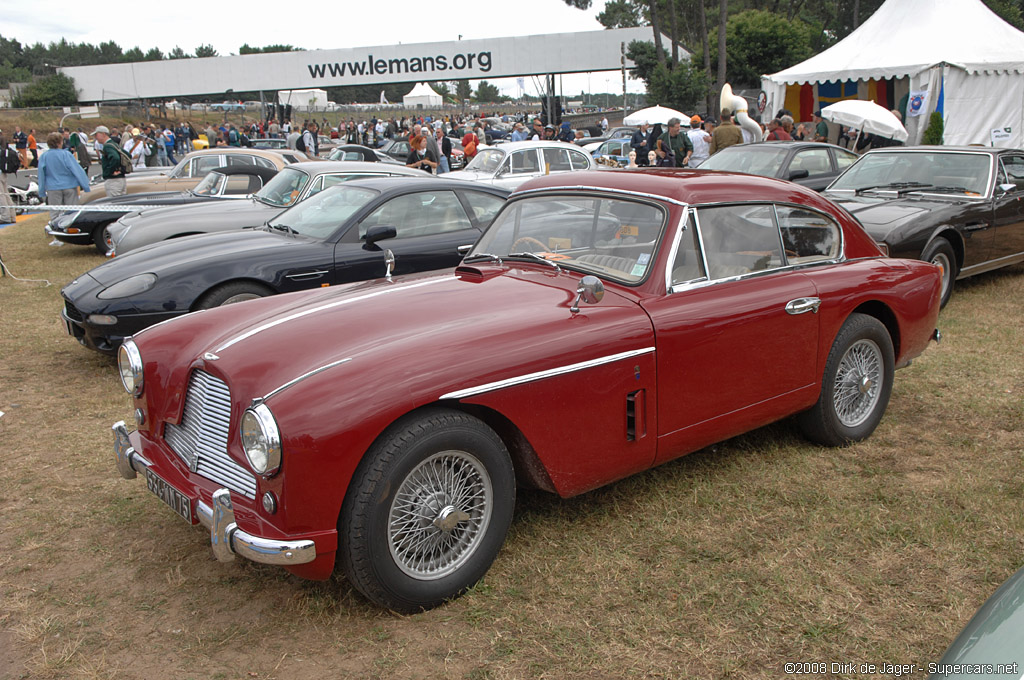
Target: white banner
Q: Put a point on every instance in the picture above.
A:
(917, 103)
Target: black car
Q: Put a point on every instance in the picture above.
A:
(811, 164)
(397, 148)
(339, 235)
(358, 152)
(89, 226)
(958, 207)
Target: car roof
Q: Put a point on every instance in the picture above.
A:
(683, 186)
(516, 146)
(943, 148)
(784, 144)
(409, 184)
(262, 172)
(321, 167)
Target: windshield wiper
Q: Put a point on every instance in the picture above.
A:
(537, 257)
(482, 256)
(900, 186)
(941, 190)
(282, 227)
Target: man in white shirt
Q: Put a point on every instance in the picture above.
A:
(701, 142)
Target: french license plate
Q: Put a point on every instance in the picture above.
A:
(176, 500)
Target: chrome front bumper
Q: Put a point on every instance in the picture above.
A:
(226, 538)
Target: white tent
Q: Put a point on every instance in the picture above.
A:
(956, 54)
(422, 94)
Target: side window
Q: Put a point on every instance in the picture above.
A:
(235, 160)
(845, 159)
(264, 163)
(241, 184)
(484, 206)
(420, 214)
(1013, 166)
(739, 239)
(580, 161)
(316, 187)
(688, 265)
(557, 160)
(524, 162)
(202, 165)
(814, 161)
(807, 236)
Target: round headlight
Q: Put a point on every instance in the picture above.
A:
(261, 440)
(129, 367)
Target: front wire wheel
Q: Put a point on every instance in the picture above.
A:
(856, 385)
(426, 511)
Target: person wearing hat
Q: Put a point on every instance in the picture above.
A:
(549, 133)
(136, 148)
(110, 163)
(820, 128)
(638, 142)
(701, 141)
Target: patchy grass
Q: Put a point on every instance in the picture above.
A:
(724, 564)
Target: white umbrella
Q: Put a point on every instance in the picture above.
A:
(653, 115)
(865, 116)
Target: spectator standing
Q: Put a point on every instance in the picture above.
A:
(421, 157)
(674, 142)
(33, 149)
(77, 144)
(110, 163)
(726, 134)
(170, 141)
(445, 145)
(776, 131)
(211, 136)
(604, 124)
(700, 140)
(152, 154)
(21, 145)
(518, 133)
(638, 142)
(60, 176)
(309, 140)
(538, 130)
(820, 128)
(275, 129)
(136, 148)
(10, 161)
(786, 121)
(566, 134)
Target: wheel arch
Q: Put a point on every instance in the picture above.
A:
(955, 239)
(884, 314)
(240, 279)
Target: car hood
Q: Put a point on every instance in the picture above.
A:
(435, 333)
(215, 214)
(880, 216)
(179, 255)
(471, 175)
(155, 197)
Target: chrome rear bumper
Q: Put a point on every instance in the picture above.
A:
(226, 538)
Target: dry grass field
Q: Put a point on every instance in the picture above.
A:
(727, 563)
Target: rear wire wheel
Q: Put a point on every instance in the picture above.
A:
(427, 511)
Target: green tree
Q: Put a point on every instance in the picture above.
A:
(760, 42)
(485, 92)
(177, 53)
(154, 54)
(682, 87)
(245, 49)
(621, 14)
(205, 51)
(133, 54)
(462, 90)
(52, 90)
(933, 133)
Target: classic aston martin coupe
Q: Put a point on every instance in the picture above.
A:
(604, 323)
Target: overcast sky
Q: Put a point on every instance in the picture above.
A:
(349, 23)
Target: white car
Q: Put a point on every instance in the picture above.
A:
(509, 165)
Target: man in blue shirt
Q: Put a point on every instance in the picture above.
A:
(60, 175)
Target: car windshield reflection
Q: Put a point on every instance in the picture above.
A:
(320, 215)
(929, 172)
(211, 185)
(487, 161)
(753, 160)
(284, 189)
(612, 238)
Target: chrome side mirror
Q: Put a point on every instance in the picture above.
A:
(1007, 188)
(590, 290)
(389, 263)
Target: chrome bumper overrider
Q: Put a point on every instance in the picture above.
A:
(226, 538)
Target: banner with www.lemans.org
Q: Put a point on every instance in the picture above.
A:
(469, 59)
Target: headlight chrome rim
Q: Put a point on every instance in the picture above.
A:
(129, 367)
(261, 440)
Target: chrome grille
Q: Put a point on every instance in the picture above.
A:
(72, 311)
(201, 440)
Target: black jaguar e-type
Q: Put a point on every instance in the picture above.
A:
(959, 207)
(345, 233)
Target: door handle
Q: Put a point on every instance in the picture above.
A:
(464, 249)
(976, 226)
(803, 305)
(304, 276)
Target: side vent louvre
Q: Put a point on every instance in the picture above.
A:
(636, 428)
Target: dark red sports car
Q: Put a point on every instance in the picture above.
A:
(605, 323)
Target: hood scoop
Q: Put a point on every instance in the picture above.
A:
(477, 274)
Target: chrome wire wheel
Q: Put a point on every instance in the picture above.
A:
(440, 515)
(942, 260)
(858, 382)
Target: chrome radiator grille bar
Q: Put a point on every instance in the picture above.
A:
(201, 440)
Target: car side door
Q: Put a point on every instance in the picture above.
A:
(737, 333)
(1008, 206)
(817, 163)
(430, 226)
(518, 167)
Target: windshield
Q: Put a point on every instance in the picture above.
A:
(321, 214)
(211, 185)
(487, 161)
(927, 171)
(753, 160)
(609, 237)
(285, 188)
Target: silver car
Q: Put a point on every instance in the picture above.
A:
(509, 165)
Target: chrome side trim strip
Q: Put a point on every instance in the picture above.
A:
(302, 377)
(331, 305)
(990, 265)
(541, 375)
(606, 190)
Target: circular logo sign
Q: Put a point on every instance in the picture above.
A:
(915, 104)
(762, 101)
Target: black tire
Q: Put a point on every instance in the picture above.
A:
(415, 564)
(856, 385)
(940, 252)
(234, 291)
(101, 239)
